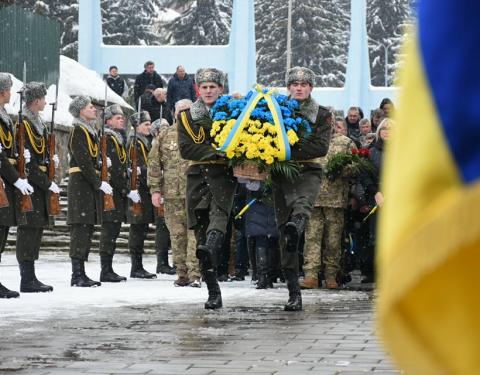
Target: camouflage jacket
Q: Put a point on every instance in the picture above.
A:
(166, 168)
(335, 193)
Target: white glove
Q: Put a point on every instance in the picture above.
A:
(56, 161)
(106, 188)
(54, 188)
(139, 171)
(27, 156)
(1, 148)
(134, 196)
(23, 185)
(109, 162)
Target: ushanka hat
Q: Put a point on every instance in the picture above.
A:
(300, 74)
(209, 75)
(77, 104)
(113, 110)
(34, 90)
(5, 82)
(136, 120)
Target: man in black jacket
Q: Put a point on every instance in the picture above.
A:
(117, 83)
(148, 77)
(180, 86)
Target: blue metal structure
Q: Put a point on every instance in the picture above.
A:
(237, 58)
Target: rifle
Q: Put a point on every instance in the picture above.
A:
(25, 200)
(108, 203)
(136, 207)
(161, 209)
(54, 206)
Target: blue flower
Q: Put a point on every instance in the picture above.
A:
(289, 123)
(235, 113)
(269, 117)
(220, 116)
(249, 95)
(281, 99)
(292, 104)
(285, 111)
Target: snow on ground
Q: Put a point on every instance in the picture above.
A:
(55, 270)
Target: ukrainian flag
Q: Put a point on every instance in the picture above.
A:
(429, 229)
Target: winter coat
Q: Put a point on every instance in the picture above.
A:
(142, 148)
(144, 79)
(118, 85)
(368, 183)
(353, 130)
(8, 170)
(152, 106)
(260, 218)
(180, 89)
(84, 204)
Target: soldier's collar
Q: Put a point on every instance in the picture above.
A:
(199, 110)
(35, 120)
(118, 136)
(309, 109)
(89, 125)
(5, 117)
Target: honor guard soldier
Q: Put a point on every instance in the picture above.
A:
(294, 200)
(84, 187)
(140, 214)
(210, 181)
(32, 223)
(112, 220)
(8, 174)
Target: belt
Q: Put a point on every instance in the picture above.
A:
(12, 161)
(77, 170)
(194, 162)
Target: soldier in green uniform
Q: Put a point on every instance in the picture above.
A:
(210, 182)
(112, 220)
(139, 224)
(8, 173)
(323, 235)
(32, 223)
(294, 200)
(84, 186)
(167, 182)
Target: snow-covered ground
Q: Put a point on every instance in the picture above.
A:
(55, 270)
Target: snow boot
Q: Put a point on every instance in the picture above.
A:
(162, 263)
(214, 295)
(293, 232)
(79, 278)
(137, 271)
(207, 253)
(294, 294)
(264, 281)
(107, 274)
(29, 282)
(7, 293)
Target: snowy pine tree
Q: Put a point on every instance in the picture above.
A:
(386, 23)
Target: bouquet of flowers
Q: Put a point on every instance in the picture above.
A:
(357, 160)
(256, 132)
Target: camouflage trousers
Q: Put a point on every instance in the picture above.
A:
(323, 241)
(183, 240)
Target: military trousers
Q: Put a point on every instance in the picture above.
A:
(162, 235)
(80, 240)
(28, 243)
(3, 237)
(136, 237)
(323, 242)
(108, 238)
(183, 240)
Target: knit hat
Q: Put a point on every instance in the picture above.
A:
(5, 82)
(77, 104)
(113, 110)
(300, 74)
(209, 75)
(34, 90)
(144, 116)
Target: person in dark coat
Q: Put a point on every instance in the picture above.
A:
(159, 106)
(112, 220)
(180, 86)
(8, 174)
(117, 83)
(210, 181)
(31, 224)
(294, 200)
(84, 187)
(148, 77)
(139, 223)
(353, 123)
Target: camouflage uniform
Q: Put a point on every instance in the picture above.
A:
(166, 175)
(327, 221)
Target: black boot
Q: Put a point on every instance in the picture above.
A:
(293, 232)
(29, 282)
(137, 271)
(207, 253)
(162, 264)
(294, 295)
(107, 274)
(214, 295)
(7, 293)
(262, 267)
(79, 278)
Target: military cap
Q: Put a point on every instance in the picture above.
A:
(113, 110)
(144, 116)
(5, 82)
(77, 104)
(300, 74)
(34, 90)
(209, 75)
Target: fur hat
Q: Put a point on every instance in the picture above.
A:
(144, 116)
(300, 74)
(113, 110)
(5, 82)
(77, 104)
(209, 75)
(34, 90)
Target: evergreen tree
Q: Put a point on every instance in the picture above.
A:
(386, 26)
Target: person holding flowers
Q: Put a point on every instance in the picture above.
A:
(210, 182)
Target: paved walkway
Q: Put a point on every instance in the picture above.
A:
(333, 335)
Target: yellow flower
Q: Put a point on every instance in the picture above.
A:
(230, 154)
(292, 137)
